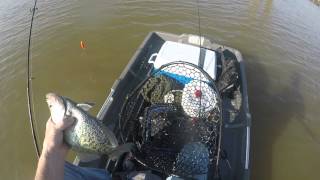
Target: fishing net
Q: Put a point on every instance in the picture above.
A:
(174, 118)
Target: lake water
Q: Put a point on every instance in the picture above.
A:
(280, 41)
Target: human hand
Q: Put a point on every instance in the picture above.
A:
(53, 141)
(54, 151)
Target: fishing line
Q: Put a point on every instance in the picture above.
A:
(199, 24)
(216, 173)
(200, 36)
(200, 46)
(29, 79)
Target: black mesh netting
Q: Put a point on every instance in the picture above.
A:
(174, 118)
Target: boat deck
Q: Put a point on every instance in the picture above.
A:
(236, 116)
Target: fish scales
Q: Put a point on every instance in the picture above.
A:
(87, 134)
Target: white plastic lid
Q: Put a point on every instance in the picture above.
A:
(174, 51)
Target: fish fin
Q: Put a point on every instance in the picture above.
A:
(85, 106)
(120, 150)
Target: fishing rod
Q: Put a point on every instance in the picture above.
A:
(29, 88)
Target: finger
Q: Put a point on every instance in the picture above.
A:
(49, 123)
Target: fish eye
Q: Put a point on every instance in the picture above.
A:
(50, 106)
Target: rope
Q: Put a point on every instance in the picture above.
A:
(29, 78)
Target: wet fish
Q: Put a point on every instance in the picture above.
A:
(87, 134)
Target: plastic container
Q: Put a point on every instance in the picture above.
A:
(174, 51)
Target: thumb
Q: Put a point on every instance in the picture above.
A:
(67, 122)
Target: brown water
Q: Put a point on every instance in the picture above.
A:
(280, 41)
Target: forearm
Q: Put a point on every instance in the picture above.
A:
(51, 164)
(54, 152)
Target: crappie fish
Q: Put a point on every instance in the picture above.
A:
(87, 134)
